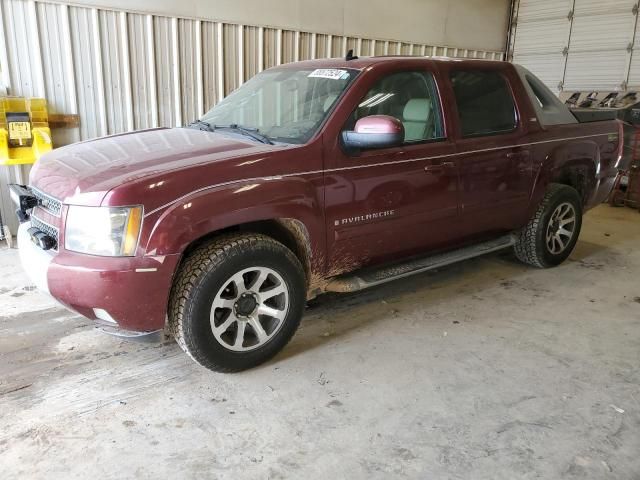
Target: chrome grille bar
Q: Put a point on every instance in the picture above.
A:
(47, 202)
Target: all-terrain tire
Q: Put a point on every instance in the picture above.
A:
(532, 245)
(203, 274)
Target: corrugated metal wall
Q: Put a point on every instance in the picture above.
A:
(122, 70)
(579, 44)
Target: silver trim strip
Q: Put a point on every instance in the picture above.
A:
(154, 336)
(38, 219)
(354, 167)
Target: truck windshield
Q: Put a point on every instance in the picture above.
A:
(285, 105)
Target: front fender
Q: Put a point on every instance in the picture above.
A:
(194, 216)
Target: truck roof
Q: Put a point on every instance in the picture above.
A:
(361, 63)
(551, 112)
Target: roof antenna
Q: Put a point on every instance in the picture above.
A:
(350, 56)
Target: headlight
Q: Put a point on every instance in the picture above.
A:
(106, 231)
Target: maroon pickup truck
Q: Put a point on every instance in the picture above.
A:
(318, 176)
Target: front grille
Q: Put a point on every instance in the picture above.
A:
(47, 202)
(46, 228)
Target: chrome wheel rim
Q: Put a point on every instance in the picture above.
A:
(561, 228)
(249, 309)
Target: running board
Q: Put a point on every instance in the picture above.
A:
(370, 277)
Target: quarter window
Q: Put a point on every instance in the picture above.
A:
(410, 97)
(485, 104)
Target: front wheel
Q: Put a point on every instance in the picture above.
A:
(552, 233)
(237, 301)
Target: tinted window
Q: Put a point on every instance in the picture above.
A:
(485, 103)
(410, 97)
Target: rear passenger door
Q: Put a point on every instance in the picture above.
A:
(495, 163)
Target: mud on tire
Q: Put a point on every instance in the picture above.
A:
(545, 241)
(236, 301)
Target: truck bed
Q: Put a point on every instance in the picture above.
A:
(586, 115)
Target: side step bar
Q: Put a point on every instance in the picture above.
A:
(370, 277)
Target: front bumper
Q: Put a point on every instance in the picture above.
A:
(35, 261)
(127, 295)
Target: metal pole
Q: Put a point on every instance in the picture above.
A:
(1, 228)
(18, 172)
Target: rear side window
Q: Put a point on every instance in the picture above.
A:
(485, 104)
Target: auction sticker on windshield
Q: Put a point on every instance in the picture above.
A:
(331, 73)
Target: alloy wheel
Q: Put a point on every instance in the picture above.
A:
(249, 309)
(561, 228)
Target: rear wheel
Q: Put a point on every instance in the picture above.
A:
(237, 301)
(552, 233)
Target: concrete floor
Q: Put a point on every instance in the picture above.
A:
(486, 369)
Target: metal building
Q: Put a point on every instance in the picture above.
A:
(122, 70)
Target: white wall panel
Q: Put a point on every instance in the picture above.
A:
(143, 71)
(603, 7)
(548, 36)
(480, 24)
(596, 70)
(633, 80)
(253, 52)
(547, 67)
(600, 36)
(541, 35)
(88, 72)
(28, 76)
(114, 71)
(210, 68)
(57, 62)
(608, 32)
(540, 10)
(578, 44)
(190, 94)
(167, 64)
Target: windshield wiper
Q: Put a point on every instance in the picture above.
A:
(200, 125)
(249, 132)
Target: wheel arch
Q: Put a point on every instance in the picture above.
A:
(578, 174)
(292, 233)
(575, 165)
(288, 210)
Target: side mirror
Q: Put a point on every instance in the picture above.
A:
(374, 131)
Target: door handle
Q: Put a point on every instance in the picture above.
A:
(438, 167)
(516, 155)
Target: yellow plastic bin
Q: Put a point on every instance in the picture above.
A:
(24, 130)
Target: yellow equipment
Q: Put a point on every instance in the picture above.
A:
(24, 130)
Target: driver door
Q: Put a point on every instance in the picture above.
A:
(383, 204)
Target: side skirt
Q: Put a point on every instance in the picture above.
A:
(370, 277)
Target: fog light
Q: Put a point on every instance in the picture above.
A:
(40, 238)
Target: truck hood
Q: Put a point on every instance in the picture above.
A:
(83, 173)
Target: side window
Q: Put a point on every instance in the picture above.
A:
(485, 104)
(410, 97)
